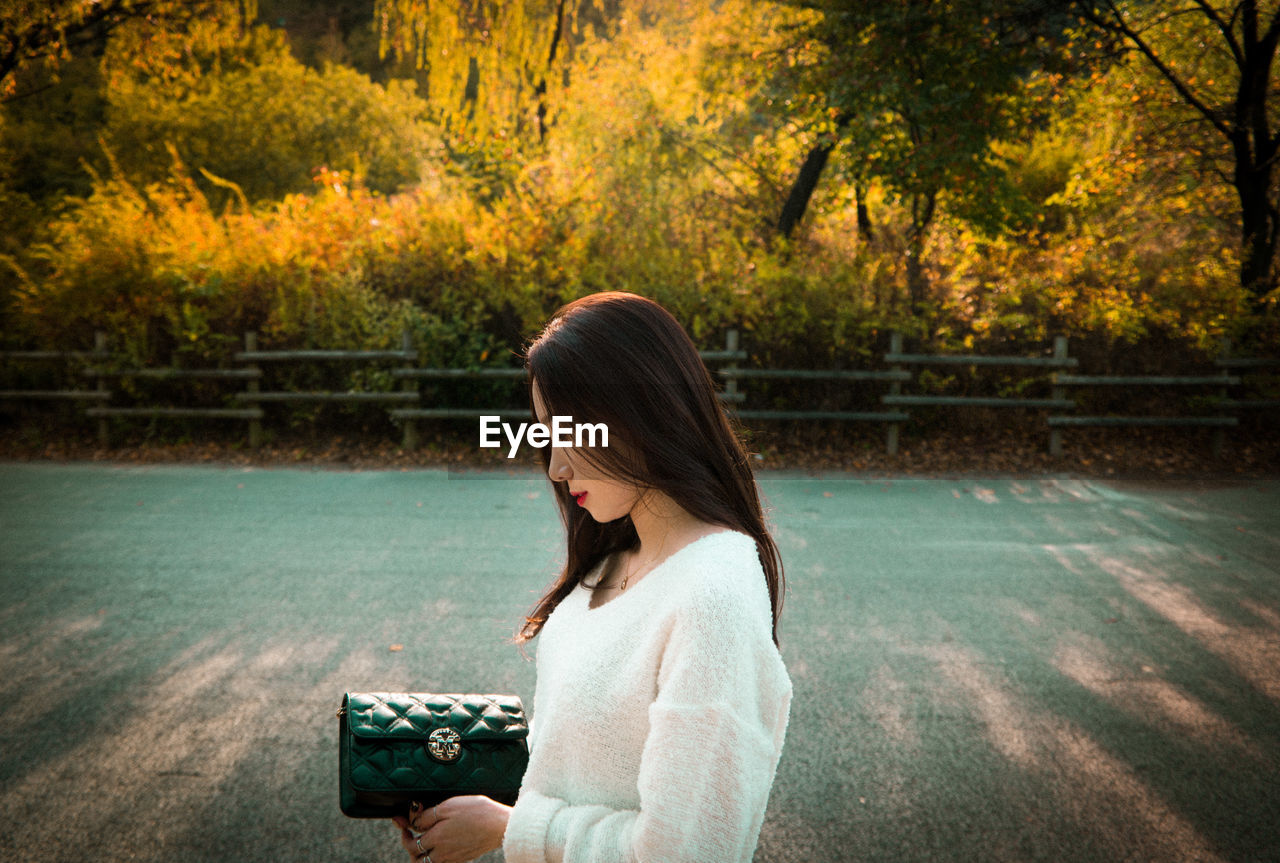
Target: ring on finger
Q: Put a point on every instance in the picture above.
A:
(418, 841)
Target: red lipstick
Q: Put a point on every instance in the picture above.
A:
(580, 497)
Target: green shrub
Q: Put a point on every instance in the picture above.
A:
(271, 125)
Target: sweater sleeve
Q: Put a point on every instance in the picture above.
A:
(716, 728)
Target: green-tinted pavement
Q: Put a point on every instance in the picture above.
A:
(990, 670)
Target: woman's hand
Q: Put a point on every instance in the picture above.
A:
(458, 830)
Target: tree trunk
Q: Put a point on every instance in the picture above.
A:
(865, 231)
(1259, 221)
(923, 206)
(541, 90)
(807, 181)
(802, 189)
(1254, 146)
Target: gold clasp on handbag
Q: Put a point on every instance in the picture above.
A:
(444, 745)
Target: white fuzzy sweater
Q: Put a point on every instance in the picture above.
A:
(658, 718)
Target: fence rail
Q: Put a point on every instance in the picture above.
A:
(173, 374)
(86, 395)
(1256, 366)
(976, 360)
(1147, 381)
(407, 405)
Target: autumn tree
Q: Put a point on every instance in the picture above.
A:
(1217, 60)
(916, 92)
(36, 31)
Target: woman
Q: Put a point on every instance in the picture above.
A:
(662, 701)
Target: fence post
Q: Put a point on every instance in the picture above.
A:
(100, 347)
(730, 371)
(1057, 392)
(895, 389)
(255, 424)
(1219, 433)
(410, 441)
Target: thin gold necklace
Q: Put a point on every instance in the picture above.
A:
(656, 559)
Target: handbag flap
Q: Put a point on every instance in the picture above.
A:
(413, 716)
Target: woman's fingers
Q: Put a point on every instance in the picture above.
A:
(461, 828)
(423, 818)
(407, 840)
(464, 828)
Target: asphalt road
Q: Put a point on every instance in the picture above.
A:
(985, 670)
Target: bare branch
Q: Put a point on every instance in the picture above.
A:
(1225, 29)
(1115, 23)
(19, 96)
(686, 142)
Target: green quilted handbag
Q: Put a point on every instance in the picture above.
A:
(394, 747)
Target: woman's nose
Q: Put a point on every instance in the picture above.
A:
(558, 468)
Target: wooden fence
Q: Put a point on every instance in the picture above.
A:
(1216, 403)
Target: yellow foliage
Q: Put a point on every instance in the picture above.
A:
(662, 174)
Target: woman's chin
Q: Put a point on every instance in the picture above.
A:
(604, 518)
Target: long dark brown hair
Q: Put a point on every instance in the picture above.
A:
(623, 360)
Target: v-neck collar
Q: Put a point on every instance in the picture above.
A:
(649, 576)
